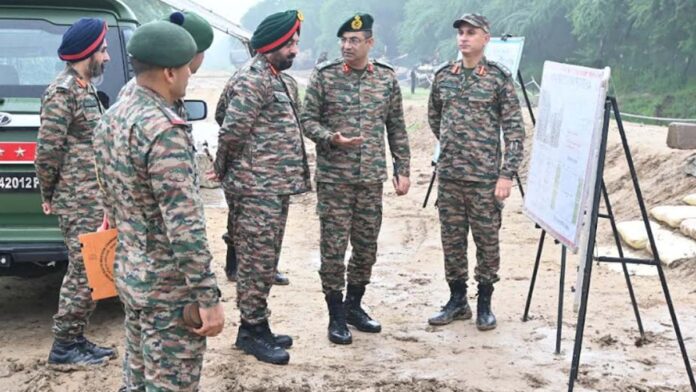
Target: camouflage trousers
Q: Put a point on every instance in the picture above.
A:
(259, 226)
(161, 353)
(75, 304)
(464, 204)
(348, 212)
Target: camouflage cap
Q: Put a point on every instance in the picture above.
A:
(476, 20)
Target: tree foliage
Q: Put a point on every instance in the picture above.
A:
(650, 44)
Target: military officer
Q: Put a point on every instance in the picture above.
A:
(471, 102)
(349, 104)
(70, 109)
(231, 259)
(145, 161)
(261, 161)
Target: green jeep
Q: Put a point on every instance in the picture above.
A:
(30, 33)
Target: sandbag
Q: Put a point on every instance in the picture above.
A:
(673, 215)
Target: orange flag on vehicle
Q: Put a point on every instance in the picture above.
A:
(98, 250)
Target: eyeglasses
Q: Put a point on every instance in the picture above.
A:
(352, 41)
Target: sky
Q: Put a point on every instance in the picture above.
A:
(233, 10)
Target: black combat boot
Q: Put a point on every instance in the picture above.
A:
(457, 308)
(485, 319)
(355, 315)
(72, 352)
(97, 350)
(257, 340)
(231, 264)
(280, 279)
(338, 330)
(282, 341)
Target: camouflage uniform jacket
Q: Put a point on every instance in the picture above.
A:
(339, 99)
(70, 109)
(260, 145)
(145, 159)
(228, 92)
(129, 88)
(467, 115)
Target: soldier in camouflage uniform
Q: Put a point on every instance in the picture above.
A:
(223, 102)
(349, 104)
(261, 161)
(471, 101)
(202, 33)
(145, 161)
(70, 109)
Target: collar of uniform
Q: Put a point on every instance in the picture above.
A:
(151, 94)
(263, 61)
(347, 69)
(78, 79)
(170, 109)
(480, 69)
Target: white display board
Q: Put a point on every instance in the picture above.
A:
(507, 52)
(563, 163)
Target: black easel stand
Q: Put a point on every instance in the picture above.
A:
(600, 190)
(609, 215)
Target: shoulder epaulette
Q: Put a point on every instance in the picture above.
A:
(329, 63)
(501, 67)
(442, 66)
(172, 116)
(382, 64)
(66, 83)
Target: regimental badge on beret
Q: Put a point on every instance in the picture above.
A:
(357, 23)
(300, 16)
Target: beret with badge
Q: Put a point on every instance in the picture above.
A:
(358, 22)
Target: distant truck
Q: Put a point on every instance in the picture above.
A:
(30, 33)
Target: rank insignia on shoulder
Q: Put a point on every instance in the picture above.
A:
(173, 117)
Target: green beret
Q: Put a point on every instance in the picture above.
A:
(162, 44)
(199, 28)
(359, 22)
(276, 30)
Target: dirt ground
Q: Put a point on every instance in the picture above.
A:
(408, 286)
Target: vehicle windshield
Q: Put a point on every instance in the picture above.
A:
(29, 60)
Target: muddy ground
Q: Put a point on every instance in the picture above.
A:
(408, 286)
